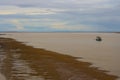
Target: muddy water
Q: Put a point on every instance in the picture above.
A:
(104, 55)
(21, 62)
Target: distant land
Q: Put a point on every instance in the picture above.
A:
(59, 32)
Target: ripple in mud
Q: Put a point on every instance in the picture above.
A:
(22, 71)
(2, 58)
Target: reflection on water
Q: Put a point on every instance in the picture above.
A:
(2, 57)
(20, 69)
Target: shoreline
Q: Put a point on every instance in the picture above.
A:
(52, 64)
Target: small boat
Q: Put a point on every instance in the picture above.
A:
(98, 38)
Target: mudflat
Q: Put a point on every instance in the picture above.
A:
(2, 77)
(21, 62)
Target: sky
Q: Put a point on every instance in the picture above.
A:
(59, 15)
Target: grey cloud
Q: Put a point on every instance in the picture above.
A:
(96, 13)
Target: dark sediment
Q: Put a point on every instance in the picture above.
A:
(21, 62)
(2, 34)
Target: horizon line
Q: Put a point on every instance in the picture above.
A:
(60, 31)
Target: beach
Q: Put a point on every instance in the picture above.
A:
(21, 62)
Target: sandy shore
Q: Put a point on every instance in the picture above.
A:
(21, 62)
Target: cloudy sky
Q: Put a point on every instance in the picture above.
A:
(59, 15)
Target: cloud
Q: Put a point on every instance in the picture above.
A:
(53, 24)
(58, 25)
(36, 23)
(11, 25)
(9, 10)
(68, 26)
(17, 24)
(61, 14)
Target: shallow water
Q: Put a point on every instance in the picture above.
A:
(104, 55)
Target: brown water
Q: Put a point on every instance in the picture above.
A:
(104, 55)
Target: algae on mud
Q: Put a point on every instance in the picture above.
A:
(22, 62)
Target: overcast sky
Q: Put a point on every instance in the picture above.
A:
(59, 15)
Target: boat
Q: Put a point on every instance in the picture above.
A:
(98, 38)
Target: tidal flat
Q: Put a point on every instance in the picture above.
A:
(22, 62)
